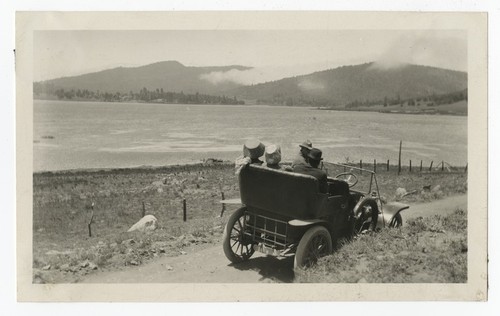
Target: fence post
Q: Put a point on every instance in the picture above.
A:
(223, 204)
(143, 209)
(387, 164)
(442, 165)
(410, 165)
(420, 165)
(430, 167)
(91, 221)
(184, 211)
(361, 166)
(399, 160)
(374, 165)
(466, 165)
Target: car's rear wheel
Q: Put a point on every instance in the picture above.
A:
(316, 243)
(237, 245)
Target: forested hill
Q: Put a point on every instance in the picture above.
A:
(169, 75)
(365, 83)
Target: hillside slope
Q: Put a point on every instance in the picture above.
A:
(168, 75)
(365, 82)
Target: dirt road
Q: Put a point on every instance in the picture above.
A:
(209, 265)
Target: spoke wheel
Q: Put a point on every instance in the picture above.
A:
(237, 246)
(366, 216)
(315, 243)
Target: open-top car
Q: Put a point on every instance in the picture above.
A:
(284, 214)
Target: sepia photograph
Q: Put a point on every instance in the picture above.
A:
(331, 156)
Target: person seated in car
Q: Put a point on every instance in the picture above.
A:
(272, 156)
(313, 159)
(253, 149)
(305, 147)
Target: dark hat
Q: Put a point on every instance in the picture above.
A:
(307, 144)
(315, 154)
(253, 148)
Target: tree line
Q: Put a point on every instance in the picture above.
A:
(47, 90)
(431, 100)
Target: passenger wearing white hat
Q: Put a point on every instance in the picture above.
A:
(253, 149)
(272, 156)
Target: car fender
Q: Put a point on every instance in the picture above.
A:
(390, 210)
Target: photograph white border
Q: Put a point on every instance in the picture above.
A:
(474, 23)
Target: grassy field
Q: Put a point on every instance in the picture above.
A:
(426, 250)
(62, 206)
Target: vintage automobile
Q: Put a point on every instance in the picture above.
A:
(284, 214)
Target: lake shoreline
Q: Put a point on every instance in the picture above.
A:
(395, 112)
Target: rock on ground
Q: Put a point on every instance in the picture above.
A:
(147, 223)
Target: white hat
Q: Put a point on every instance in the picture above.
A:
(273, 154)
(253, 148)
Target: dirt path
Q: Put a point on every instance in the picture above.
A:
(209, 265)
(439, 207)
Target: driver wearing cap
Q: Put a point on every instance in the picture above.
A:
(312, 159)
(305, 147)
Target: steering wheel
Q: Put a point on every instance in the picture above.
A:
(348, 177)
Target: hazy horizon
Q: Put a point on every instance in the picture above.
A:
(272, 54)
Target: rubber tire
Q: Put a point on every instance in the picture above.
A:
(226, 239)
(396, 221)
(305, 244)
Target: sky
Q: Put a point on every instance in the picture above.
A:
(272, 54)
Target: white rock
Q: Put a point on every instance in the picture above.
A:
(147, 223)
(84, 264)
(400, 191)
(436, 188)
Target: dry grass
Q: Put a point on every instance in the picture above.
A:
(426, 250)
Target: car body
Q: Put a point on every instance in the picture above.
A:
(284, 214)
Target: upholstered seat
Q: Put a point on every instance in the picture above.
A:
(286, 194)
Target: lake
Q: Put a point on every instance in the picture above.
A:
(74, 135)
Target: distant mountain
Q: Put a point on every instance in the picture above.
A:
(167, 75)
(366, 82)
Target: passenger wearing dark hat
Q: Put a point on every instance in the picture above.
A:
(305, 147)
(313, 159)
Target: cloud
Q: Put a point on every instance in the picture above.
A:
(426, 48)
(234, 75)
(307, 85)
(268, 73)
